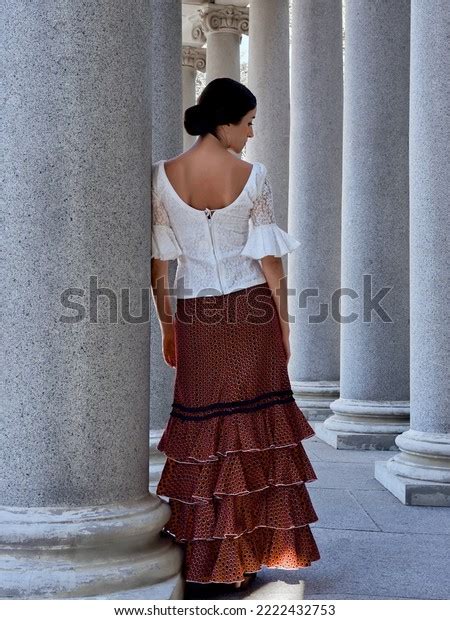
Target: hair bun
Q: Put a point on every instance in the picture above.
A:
(223, 101)
(197, 120)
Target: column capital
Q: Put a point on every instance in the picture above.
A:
(194, 57)
(196, 29)
(225, 18)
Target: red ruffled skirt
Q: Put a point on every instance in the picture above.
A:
(235, 472)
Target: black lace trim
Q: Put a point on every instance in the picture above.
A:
(249, 405)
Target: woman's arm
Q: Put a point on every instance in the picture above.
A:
(161, 298)
(160, 289)
(272, 267)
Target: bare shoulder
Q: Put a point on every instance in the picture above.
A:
(174, 162)
(191, 162)
(248, 166)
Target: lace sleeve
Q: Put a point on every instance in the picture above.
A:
(164, 242)
(159, 213)
(265, 237)
(262, 209)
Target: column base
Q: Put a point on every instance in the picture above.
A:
(364, 425)
(355, 441)
(420, 474)
(314, 397)
(412, 492)
(103, 551)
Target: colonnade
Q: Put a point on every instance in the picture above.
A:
(358, 157)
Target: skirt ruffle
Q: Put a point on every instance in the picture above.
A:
(279, 507)
(227, 560)
(277, 425)
(244, 507)
(238, 473)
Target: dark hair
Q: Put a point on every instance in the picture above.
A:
(222, 101)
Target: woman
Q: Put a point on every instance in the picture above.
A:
(236, 470)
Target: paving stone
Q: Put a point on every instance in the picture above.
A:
(391, 515)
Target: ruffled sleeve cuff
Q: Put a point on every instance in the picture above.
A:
(269, 240)
(164, 243)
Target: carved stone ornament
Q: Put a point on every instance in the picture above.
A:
(194, 57)
(228, 18)
(197, 33)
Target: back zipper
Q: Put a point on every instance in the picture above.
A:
(208, 214)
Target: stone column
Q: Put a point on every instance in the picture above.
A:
(193, 59)
(420, 473)
(315, 202)
(77, 519)
(167, 142)
(223, 27)
(373, 406)
(268, 64)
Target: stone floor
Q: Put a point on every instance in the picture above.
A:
(371, 545)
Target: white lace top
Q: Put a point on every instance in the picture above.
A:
(217, 250)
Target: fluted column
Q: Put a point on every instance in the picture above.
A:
(373, 406)
(167, 141)
(268, 63)
(223, 26)
(193, 59)
(315, 202)
(420, 473)
(77, 519)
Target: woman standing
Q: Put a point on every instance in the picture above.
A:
(236, 470)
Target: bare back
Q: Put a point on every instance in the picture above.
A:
(215, 182)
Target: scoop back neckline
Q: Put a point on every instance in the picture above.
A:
(181, 201)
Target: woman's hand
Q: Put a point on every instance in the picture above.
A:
(168, 346)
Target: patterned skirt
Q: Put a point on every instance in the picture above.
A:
(235, 472)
